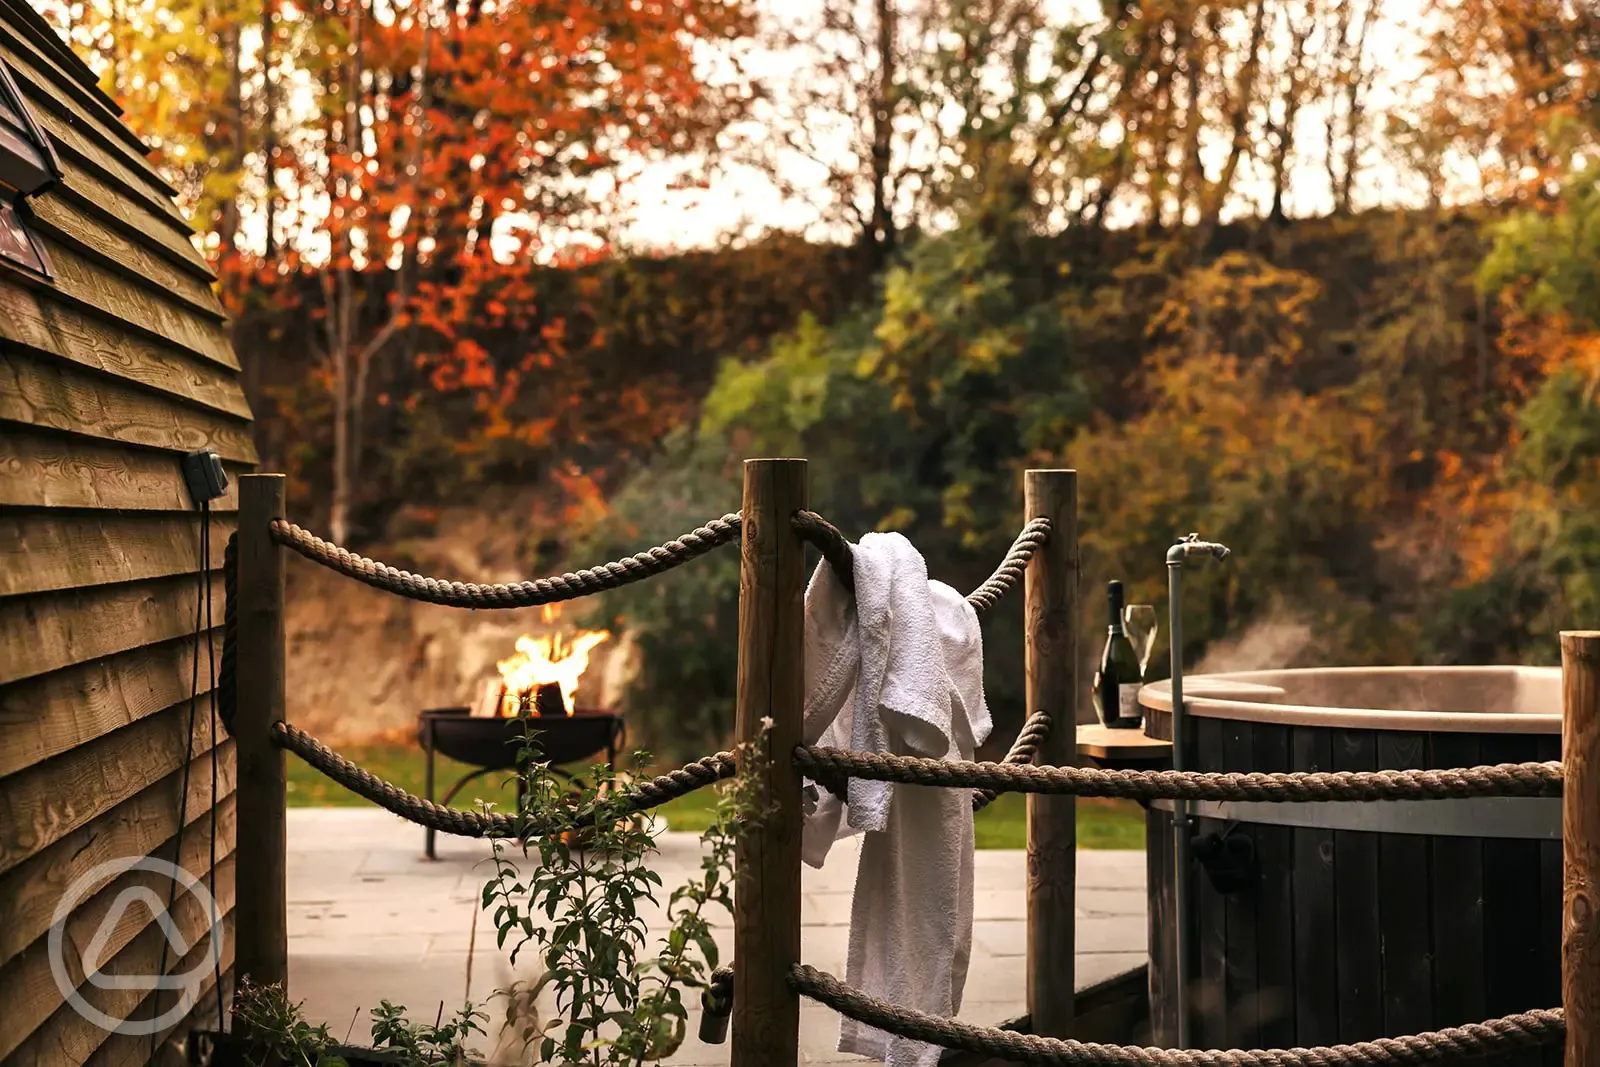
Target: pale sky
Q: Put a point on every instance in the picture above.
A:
(667, 212)
(688, 203)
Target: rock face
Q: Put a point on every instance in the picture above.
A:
(362, 663)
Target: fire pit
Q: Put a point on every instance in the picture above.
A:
(535, 693)
(492, 744)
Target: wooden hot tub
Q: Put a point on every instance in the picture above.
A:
(1324, 923)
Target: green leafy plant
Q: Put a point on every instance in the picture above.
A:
(581, 910)
(270, 1031)
(584, 909)
(439, 1043)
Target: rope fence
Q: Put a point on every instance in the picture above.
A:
(826, 538)
(1524, 1030)
(831, 768)
(570, 586)
(1504, 779)
(833, 765)
(1012, 567)
(1023, 750)
(641, 795)
(810, 526)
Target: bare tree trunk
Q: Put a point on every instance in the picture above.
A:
(355, 293)
(1159, 109)
(1339, 44)
(1216, 194)
(343, 312)
(1193, 175)
(269, 128)
(119, 53)
(1355, 107)
(1111, 183)
(408, 249)
(882, 238)
(339, 510)
(228, 224)
(1293, 95)
(269, 185)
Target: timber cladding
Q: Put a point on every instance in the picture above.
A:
(111, 369)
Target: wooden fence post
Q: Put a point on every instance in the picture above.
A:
(1051, 596)
(1580, 843)
(261, 929)
(766, 921)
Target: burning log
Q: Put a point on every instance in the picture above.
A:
(547, 701)
(549, 666)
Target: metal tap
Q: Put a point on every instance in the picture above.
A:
(1191, 547)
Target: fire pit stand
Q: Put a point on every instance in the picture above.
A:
(494, 744)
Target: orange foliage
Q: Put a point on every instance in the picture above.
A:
(1518, 82)
(1472, 507)
(449, 142)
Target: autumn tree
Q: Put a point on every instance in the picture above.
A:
(1519, 82)
(178, 70)
(416, 161)
(844, 105)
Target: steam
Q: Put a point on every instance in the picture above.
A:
(1275, 640)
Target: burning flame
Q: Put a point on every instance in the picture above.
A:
(546, 660)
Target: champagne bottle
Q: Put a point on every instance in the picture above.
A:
(1116, 683)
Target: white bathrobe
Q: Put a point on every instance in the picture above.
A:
(898, 668)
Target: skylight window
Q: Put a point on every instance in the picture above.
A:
(28, 166)
(18, 245)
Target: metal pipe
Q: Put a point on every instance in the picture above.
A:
(1180, 809)
(1177, 555)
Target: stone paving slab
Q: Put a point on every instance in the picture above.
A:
(370, 918)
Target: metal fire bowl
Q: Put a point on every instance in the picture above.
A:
(493, 743)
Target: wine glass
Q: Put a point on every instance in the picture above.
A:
(1140, 622)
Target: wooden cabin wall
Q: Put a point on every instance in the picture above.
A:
(108, 375)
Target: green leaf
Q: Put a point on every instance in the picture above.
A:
(708, 948)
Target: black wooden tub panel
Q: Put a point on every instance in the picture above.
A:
(1350, 935)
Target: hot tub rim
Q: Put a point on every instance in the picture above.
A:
(1205, 696)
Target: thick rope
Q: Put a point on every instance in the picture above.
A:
(387, 795)
(1023, 750)
(1011, 569)
(228, 673)
(833, 545)
(722, 983)
(718, 996)
(809, 525)
(1529, 1029)
(716, 1004)
(641, 795)
(1504, 779)
(1005, 578)
(569, 586)
(836, 549)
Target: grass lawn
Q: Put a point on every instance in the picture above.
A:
(1101, 823)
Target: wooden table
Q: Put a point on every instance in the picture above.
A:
(1103, 746)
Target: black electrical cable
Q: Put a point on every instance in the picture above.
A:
(211, 661)
(185, 748)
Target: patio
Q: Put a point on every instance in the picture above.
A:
(370, 919)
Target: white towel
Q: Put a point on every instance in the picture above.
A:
(898, 668)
